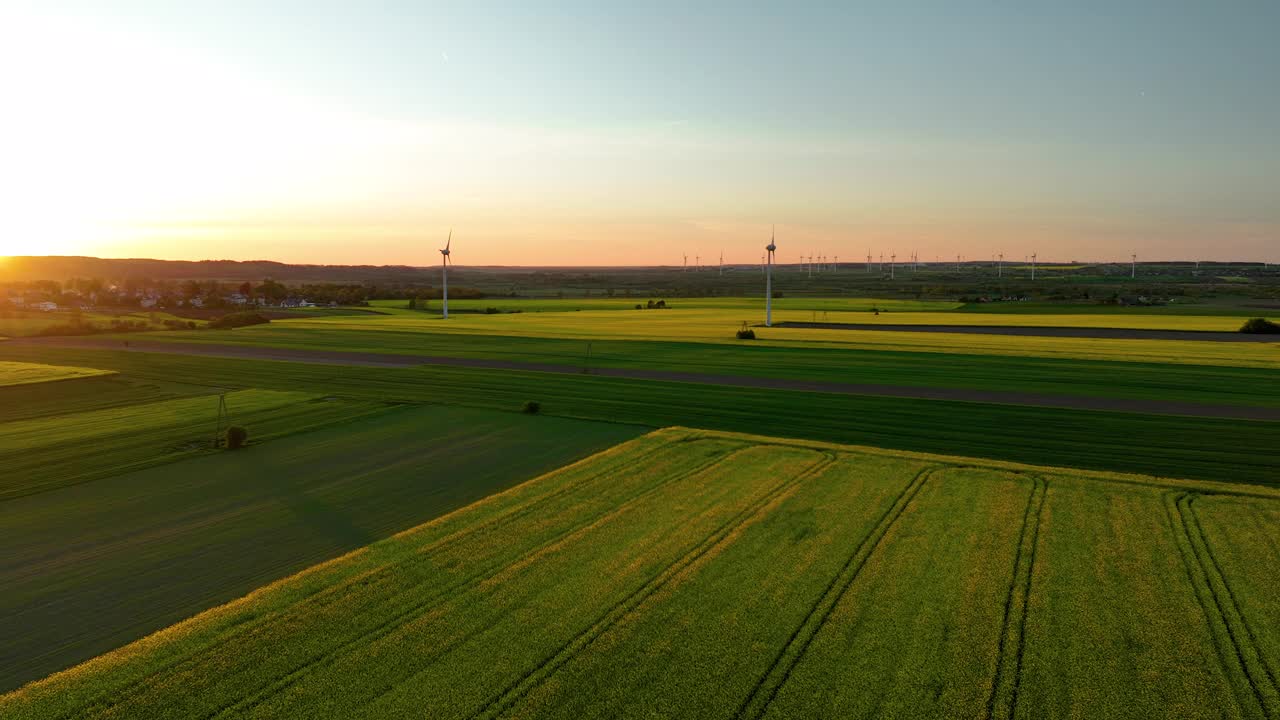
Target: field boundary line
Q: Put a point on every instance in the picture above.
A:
(1238, 656)
(378, 572)
(624, 607)
(1013, 632)
(406, 615)
(798, 644)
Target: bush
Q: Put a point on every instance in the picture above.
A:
(237, 437)
(532, 407)
(1260, 326)
(747, 334)
(239, 319)
(491, 311)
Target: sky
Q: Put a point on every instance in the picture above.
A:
(590, 133)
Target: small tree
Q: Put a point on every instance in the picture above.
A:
(237, 437)
(745, 332)
(1260, 326)
(531, 407)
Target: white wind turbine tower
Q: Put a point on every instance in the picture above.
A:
(1033, 266)
(1133, 269)
(697, 263)
(685, 267)
(1000, 266)
(835, 263)
(893, 261)
(868, 259)
(810, 267)
(444, 272)
(768, 281)
(721, 263)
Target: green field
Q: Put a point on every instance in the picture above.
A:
(1171, 445)
(50, 452)
(16, 373)
(89, 567)
(21, 323)
(698, 574)
(400, 331)
(1051, 375)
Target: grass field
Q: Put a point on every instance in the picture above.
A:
(89, 567)
(16, 373)
(1167, 445)
(22, 323)
(49, 452)
(1061, 376)
(397, 331)
(615, 588)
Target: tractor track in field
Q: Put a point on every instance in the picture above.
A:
(382, 572)
(1008, 675)
(1235, 641)
(536, 676)
(789, 656)
(406, 615)
(913, 392)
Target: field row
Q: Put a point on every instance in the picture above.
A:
(89, 567)
(19, 373)
(1170, 445)
(1204, 384)
(701, 575)
(718, 326)
(44, 453)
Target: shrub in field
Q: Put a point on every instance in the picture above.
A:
(491, 311)
(746, 333)
(239, 319)
(237, 437)
(1260, 326)
(531, 407)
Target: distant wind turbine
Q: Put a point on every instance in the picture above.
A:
(1133, 270)
(1033, 266)
(768, 281)
(444, 272)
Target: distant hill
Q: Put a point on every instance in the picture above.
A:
(62, 268)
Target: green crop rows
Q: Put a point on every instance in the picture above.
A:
(91, 566)
(698, 574)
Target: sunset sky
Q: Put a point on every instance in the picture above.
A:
(612, 133)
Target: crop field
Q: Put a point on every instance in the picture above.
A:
(1172, 445)
(398, 331)
(49, 452)
(21, 323)
(696, 574)
(1064, 376)
(88, 567)
(18, 373)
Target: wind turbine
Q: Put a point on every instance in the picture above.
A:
(685, 267)
(697, 263)
(768, 281)
(835, 263)
(810, 267)
(1133, 270)
(1033, 266)
(444, 272)
(893, 261)
(868, 259)
(1000, 266)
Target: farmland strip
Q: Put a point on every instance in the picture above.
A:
(400, 618)
(602, 465)
(1003, 701)
(1233, 638)
(518, 689)
(767, 687)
